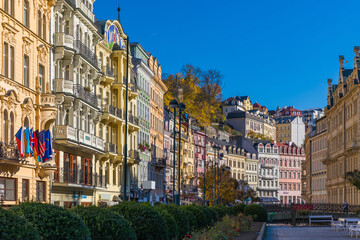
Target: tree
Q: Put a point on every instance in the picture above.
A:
(200, 91)
(224, 182)
(353, 178)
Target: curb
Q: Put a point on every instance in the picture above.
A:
(261, 233)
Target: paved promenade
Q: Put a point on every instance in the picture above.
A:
(303, 233)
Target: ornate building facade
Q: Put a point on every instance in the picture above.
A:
(25, 96)
(342, 113)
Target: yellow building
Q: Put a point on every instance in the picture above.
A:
(25, 96)
(342, 114)
(111, 127)
(236, 162)
(158, 162)
(189, 168)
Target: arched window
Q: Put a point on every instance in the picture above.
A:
(44, 27)
(67, 72)
(26, 122)
(12, 126)
(5, 127)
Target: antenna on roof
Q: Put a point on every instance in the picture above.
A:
(118, 9)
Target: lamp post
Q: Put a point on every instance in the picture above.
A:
(174, 104)
(214, 166)
(181, 108)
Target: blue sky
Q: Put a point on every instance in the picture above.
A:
(277, 52)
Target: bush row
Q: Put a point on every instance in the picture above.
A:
(128, 220)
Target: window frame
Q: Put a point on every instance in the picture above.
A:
(6, 189)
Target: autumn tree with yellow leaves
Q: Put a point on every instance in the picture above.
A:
(226, 185)
(200, 91)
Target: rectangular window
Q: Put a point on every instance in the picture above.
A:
(6, 60)
(39, 23)
(8, 189)
(26, 13)
(40, 191)
(41, 78)
(26, 70)
(11, 62)
(25, 189)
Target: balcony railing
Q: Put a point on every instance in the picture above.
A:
(62, 85)
(115, 111)
(109, 71)
(78, 176)
(86, 52)
(110, 147)
(133, 119)
(9, 151)
(79, 136)
(81, 92)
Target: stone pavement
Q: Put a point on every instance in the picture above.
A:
(303, 233)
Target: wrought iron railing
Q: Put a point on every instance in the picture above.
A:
(79, 176)
(81, 92)
(109, 71)
(133, 119)
(86, 52)
(9, 151)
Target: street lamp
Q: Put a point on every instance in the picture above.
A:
(174, 104)
(181, 108)
(215, 147)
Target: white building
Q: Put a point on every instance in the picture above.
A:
(144, 75)
(268, 169)
(75, 75)
(232, 104)
(311, 115)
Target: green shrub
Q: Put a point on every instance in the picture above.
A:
(238, 208)
(258, 212)
(174, 233)
(13, 227)
(52, 222)
(147, 223)
(198, 214)
(191, 218)
(211, 215)
(180, 217)
(220, 211)
(104, 224)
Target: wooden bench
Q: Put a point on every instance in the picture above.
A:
(320, 218)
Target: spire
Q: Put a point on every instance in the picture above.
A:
(118, 9)
(356, 60)
(341, 60)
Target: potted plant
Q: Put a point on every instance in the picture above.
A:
(88, 89)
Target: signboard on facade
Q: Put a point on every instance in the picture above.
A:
(113, 37)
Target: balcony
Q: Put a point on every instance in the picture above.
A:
(89, 55)
(260, 188)
(268, 165)
(159, 163)
(82, 93)
(64, 86)
(62, 39)
(267, 177)
(9, 151)
(67, 176)
(111, 114)
(133, 93)
(110, 147)
(47, 100)
(71, 136)
(133, 157)
(133, 119)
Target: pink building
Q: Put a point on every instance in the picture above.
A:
(291, 157)
(200, 152)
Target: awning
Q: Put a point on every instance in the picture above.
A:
(109, 203)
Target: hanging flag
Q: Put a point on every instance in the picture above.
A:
(48, 147)
(20, 141)
(36, 149)
(38, 144)
(31, 136)
(27, 142)
(42, 144)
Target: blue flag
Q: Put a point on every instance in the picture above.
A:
(27, 142)
(48, 147)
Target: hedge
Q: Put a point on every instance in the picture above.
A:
(238, 208)
(211, 215)
(171, 224)
(191, 218)
(52, 222)
(104, 224)
(258, 212)
(180, 217)
(198, 214)
(147, 223)
(219, 210)
(13, 227)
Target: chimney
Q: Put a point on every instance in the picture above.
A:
(118, 9)
(341, 61)
(356, 58)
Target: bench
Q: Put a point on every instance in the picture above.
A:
(320, 218)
